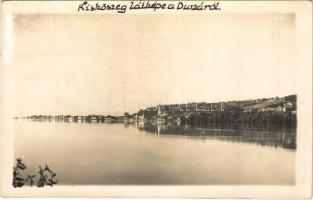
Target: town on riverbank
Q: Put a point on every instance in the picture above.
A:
(278, 110)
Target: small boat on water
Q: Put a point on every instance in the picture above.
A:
(129, 120)
(68, 119)
(94, 119)
(108, 120)
(80, 118)
(161, 120)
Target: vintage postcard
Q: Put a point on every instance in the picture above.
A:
(184, 99)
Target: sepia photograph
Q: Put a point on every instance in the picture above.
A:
(139, 94)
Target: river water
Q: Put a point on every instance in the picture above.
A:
(138, 154)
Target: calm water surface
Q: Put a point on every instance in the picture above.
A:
(98, 153)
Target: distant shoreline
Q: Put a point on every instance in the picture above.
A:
(267, 110)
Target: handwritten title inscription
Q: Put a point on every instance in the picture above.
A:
(123, 7)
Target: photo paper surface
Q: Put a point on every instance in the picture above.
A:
(185, 99)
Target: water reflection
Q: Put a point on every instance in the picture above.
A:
(150, 153)
(276, 136)
(260, 134)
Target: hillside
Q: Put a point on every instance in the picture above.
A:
(276, 110)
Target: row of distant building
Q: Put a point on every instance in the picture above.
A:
(160, 117)
(283, 107)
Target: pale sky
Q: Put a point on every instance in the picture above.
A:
(75, 64)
